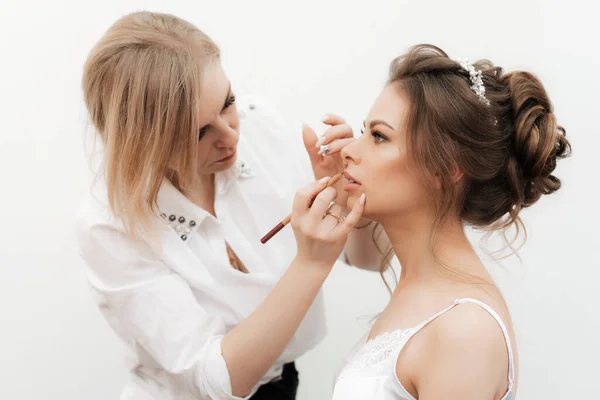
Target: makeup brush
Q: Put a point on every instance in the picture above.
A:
(287, 219)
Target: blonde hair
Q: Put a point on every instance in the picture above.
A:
(141, 85)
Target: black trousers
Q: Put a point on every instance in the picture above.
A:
(283, 389)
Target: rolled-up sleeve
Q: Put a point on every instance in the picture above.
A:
(156, 308)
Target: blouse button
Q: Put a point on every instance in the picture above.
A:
(184, 237)
(181, 220)
(192, 223)
(172, 218)
(251, 106)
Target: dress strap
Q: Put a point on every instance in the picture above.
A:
(415, 330)
(490, 310)
(511, 367)
(432, 318)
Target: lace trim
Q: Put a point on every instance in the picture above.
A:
(375, 352)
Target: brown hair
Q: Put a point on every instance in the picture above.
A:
(507, 150)
(141, 86)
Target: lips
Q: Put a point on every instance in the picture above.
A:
(229, 157)
(350, 178)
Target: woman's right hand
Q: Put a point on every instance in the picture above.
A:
(321, 237)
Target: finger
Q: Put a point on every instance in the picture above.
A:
(304, 196)
(332, 119)
(352, 219)
(321, 203)
(329, 222)
(333, 216)
(338, 145)
(336, 209)
(309, 137)
(342, 131)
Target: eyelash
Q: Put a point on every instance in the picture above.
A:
(228, 104)
(202, 133)
(229, 101)
(376, 134)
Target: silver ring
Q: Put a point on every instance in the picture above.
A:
(324, 149)
(333, 215)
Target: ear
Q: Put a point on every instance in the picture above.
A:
(456, 174)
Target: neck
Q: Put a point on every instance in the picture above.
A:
(424, 261)
(203, 193)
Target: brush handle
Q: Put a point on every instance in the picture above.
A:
(273, 231)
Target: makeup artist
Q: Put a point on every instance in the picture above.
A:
(191, 179)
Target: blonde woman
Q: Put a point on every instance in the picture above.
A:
(192, 177)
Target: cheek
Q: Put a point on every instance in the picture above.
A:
(236, 122)
(203, 154)
(395, 186)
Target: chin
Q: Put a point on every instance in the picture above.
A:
(352, 199)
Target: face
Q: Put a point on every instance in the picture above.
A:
(379, 162)
(218, 137)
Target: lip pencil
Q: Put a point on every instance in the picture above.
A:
(287, 219)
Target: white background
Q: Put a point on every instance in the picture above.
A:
(308, 58)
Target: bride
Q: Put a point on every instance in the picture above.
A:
(446, 144)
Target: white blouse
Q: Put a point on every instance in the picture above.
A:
(172, 309)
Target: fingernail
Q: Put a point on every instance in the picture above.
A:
(325, 118)
(320, 141)
(324, 180)
(362, 199)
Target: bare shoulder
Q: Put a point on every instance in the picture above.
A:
(470, 325)
(466, 357)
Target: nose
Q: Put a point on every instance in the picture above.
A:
(227, 133)
(350, 152)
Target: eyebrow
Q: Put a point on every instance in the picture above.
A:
(378, 122)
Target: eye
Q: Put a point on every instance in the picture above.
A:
(378, 136)
(202, 133)
(227, 104)
(229, 101)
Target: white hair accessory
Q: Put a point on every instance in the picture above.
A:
(475, 76)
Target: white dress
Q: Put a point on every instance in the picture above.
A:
(370, 370)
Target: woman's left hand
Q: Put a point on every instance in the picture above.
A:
(338, 135)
